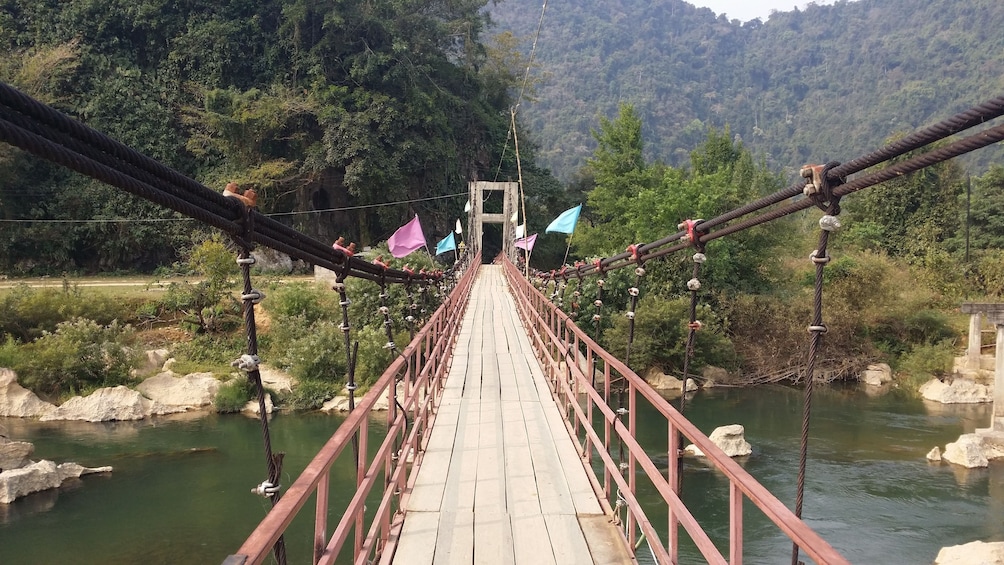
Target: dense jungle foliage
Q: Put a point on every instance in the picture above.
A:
(317, 105)
(811, 85)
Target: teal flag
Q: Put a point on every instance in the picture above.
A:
(565, 223)
(446, 244)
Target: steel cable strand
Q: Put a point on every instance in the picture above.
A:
(223, 209)
(975, 116)
(56, 153)
(249, 363)
(825, 194)
(32, 108)
(961, 147)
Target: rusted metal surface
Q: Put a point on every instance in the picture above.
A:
(422, 366)
(571, 360)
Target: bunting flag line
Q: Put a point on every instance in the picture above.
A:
(565, 222)
(459, 230)
(407, 238)
(467, 207)
(448, 243)
(520, 231)
(515, 217)
(526, 242)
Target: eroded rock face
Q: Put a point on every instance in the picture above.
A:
(26, 480)
(14, 454)
(961, 391)
(103, 405)
(19, 402)
(731, 439)
(966, 451)
(252, 406)
(877, 374)
(662, 381)
(194, 390)
(973, 553)
(40, 476)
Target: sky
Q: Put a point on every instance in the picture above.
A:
(746, 10)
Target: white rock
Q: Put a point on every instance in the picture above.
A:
(104, 404)
(26, 480)
(275, 379)
(961, 391)
(662, 381)
(169, 364)
(252, 406)
(74, 470)
(973, 553)
(877, 374)
(15, 454)
(966, 451)
(336, 404)
(730, 439)
(934, 454)
(19, 402)
(196, 389)
(268, 260)
(155, 359)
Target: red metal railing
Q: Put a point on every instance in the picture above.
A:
(422, 367)
(570, 360)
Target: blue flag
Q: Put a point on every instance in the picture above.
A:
(446, 244)
(565, 223)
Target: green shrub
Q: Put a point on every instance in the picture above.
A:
(307, 303)
(311, 394)
(925, 361)
(233, 396)
(660, 338)
(79, 356)
(209, 352)
(27, 313)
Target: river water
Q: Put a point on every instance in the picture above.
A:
(180, 489)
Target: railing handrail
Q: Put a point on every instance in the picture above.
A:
(539, 328)
(444, 326)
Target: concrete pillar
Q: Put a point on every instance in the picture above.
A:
(974, 349)
(997, 423)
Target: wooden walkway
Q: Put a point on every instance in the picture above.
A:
(501, 481)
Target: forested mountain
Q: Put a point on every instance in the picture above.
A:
(826, 82)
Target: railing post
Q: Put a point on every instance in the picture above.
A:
(672, 476)
(735, 524)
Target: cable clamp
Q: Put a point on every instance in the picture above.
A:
(693, 234)
(694, 284)
(409, 319)
(343, 327)
(598, 303)
(696, 325)
(345, 302)
(384, 310)
(622, 411)
(817, 329)
(351, 387)
(814, 256)
(341, 248)
(633, 291)
(338, 287)
(255, 296)
(629, 315)
(639, 271)
(246, 362)
(390, 345)
(249, 260)
(596, 317)
(266, 489)
(700, 258)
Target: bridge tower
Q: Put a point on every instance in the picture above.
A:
(479, 192)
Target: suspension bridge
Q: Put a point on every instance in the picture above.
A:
(511, 438)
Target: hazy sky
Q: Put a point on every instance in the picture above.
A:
(746, 10)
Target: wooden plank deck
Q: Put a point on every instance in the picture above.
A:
(501, 482)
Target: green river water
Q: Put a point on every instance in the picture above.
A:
(180, 489)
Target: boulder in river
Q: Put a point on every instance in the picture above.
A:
(19, 402)
(960, 391)
(973, 553)
(194, 390)
(731, 439)
(43, 475)
(103, 405)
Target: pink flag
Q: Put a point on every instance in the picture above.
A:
(406, 239)
(526, 242)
